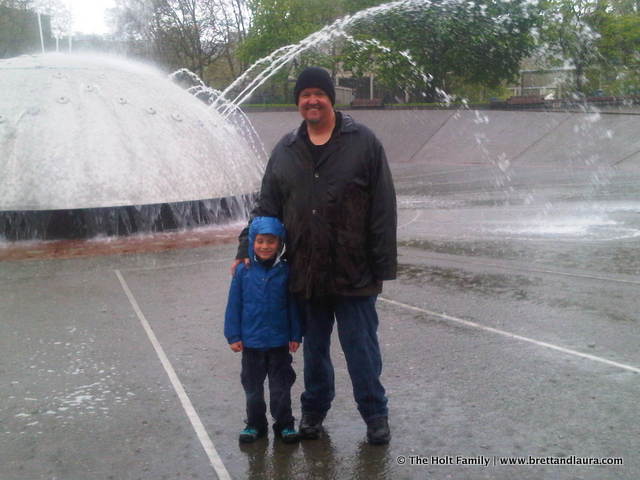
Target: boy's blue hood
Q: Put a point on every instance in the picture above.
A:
(264, 226)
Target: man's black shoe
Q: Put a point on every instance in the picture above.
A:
(310, 426)
(378, 431)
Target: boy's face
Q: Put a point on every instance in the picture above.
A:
(266, 246)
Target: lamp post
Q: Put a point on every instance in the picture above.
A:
(40, 29)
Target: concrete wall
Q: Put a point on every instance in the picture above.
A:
(477, 137)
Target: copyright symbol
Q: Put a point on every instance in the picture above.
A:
(401, 460)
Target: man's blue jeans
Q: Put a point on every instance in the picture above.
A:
(357, 330)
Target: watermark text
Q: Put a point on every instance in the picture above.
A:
(500, 461)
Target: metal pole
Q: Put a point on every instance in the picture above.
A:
(40, 28)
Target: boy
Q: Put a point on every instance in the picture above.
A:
(262, 322)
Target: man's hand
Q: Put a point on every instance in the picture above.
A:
(237, 262)
(293, 346)
(236, 347)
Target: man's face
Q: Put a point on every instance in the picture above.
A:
(266, 246)
(314, 105)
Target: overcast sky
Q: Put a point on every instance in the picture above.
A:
(88, 15)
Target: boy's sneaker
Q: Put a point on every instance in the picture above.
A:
(378, 432)
(288, 435)
(310, 426)
(249, 435)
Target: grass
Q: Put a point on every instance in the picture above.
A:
(411, 104)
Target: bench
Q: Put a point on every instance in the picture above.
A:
(526, 100)
(367, 103)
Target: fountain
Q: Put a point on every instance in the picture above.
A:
(100, 146)
(97, 146)
(93, 145)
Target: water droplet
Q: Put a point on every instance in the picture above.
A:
(89, 88)
(2, 118)
(62, 99)
(151, 111)
(177, 117)
(122, 101)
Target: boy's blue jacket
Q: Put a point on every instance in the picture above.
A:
(260, 311)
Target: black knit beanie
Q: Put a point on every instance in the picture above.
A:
(315, 77)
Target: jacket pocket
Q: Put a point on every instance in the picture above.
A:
(351, 265)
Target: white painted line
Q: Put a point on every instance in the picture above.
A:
(206, 442)
(416, 216)
(467, 323)
(175, 265)
(435, 173)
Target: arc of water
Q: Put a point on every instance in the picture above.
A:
(276, 63)
(282, 56)
(241, 120)
(426, 77)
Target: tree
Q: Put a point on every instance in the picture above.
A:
(567, 35)
(130, 22)
(181, 33)
(619, 46)
(61, 19)
(277, 23)
(19, 28)
(418, 46)
(619, 41)
(427, 48)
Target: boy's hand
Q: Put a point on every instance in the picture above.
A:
(293, 346)
(238, 262)
(236, 347)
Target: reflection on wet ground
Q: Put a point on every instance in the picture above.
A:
(320, 460)
(590, 256)
(134, 244)
(482, 283)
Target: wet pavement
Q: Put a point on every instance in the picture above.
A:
(510, 334)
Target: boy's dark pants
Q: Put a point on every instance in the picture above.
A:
(275, 364)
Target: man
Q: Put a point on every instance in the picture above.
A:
(330, 184)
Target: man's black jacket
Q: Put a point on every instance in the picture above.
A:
(340, 213)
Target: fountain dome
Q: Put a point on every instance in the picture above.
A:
(94, 144)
